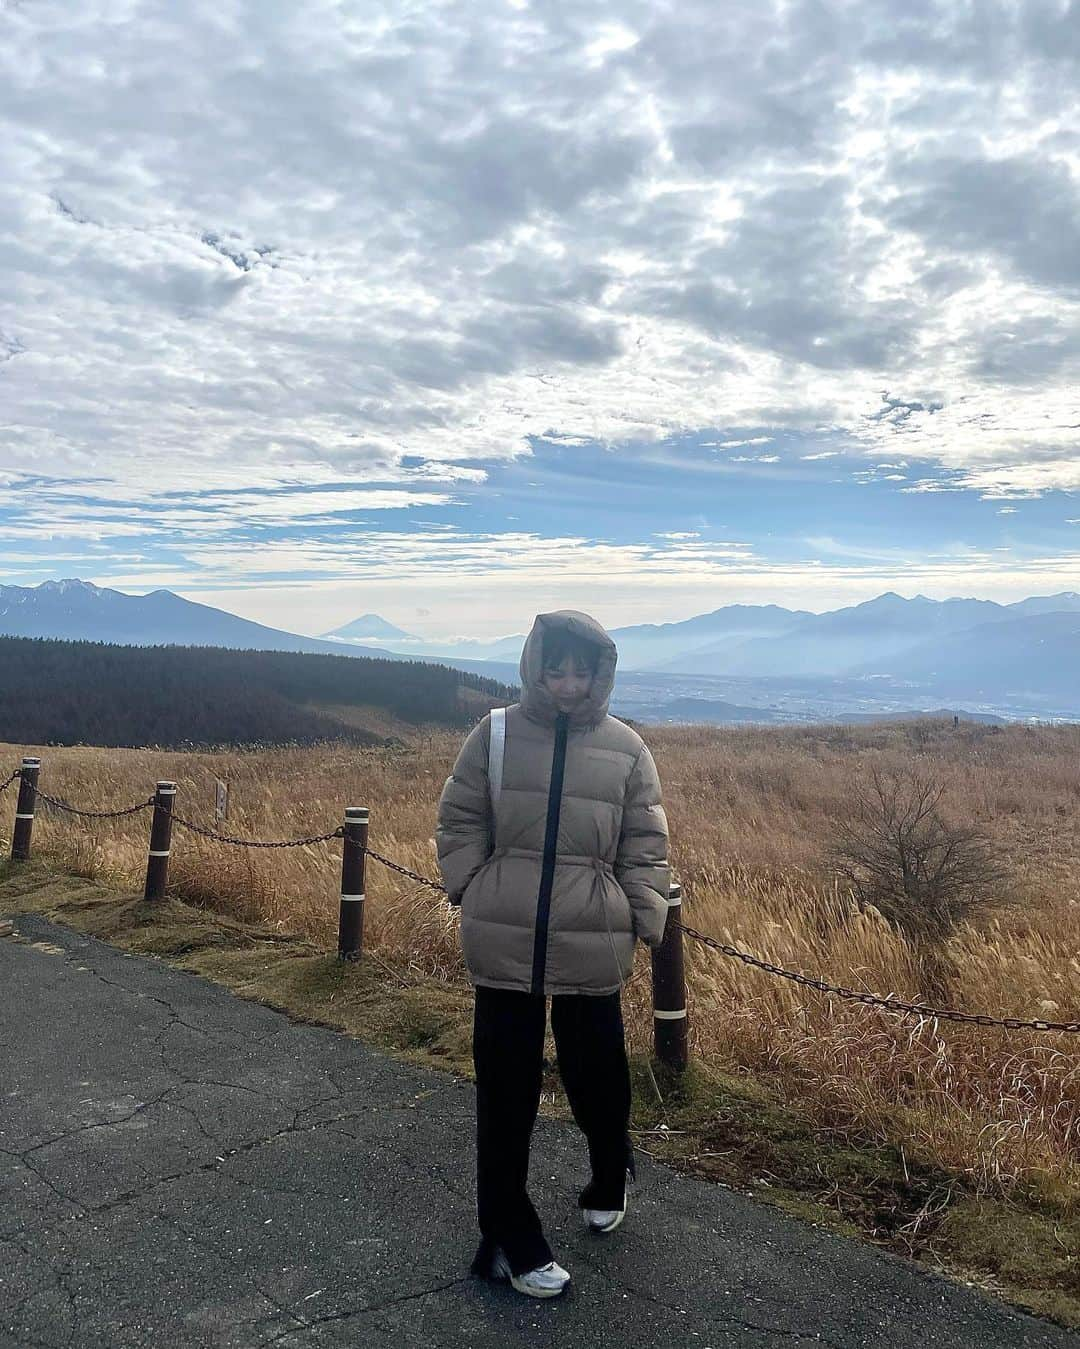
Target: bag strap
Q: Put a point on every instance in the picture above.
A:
(496, 750)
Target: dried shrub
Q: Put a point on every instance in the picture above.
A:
(925, 875)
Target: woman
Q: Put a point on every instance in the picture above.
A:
(555, 885)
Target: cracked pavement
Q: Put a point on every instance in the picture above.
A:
(181, 1167)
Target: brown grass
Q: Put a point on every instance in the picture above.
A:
(751, 812)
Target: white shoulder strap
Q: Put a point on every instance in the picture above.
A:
(496, 748)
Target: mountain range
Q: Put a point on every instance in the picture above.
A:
(963, 647)
(74, 610)
(81, 611)
(886, 635)
(1025, 654)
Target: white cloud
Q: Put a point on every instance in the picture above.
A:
(256, 248)
(59, 510)
(1009, 480)
(414, 556)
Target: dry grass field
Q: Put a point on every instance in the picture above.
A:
(752, 813)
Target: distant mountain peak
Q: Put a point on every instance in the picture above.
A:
(888, 599)
(1041, 604)
(74, 610)
(368, 626)
(68, 584)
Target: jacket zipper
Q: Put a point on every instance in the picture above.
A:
(551, 842)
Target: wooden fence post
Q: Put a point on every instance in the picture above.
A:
(669, 989)
(157, 861)
(24, 810)
(353, 859)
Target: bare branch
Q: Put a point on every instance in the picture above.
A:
(899, 855)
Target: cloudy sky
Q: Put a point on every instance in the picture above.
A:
(457, 312)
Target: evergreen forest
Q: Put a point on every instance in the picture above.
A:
(96, 693)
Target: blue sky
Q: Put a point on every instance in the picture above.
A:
(456, 314)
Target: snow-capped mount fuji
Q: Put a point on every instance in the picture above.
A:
(467, 651)
(81, 611)
(368, 626)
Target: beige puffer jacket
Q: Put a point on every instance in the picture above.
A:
(555, 890)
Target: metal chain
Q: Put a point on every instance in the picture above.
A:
(413, 875)
(254, 843)
(872, 999)
(91, 814)
(869, 999)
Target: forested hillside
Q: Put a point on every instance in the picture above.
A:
(94, 693)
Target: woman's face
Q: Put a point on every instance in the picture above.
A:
(567, 683)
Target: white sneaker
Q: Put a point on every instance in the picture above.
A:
(604, 1219)
(607, 1219)
(545, 1281)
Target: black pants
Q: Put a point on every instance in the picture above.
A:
(508, 1051)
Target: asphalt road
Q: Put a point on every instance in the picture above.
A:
(180, 1167)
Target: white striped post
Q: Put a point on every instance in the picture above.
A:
(24, 810)
(157, 861)
(669, 989)
(353, 859)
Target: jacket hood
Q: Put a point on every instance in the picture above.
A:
(536, 702)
